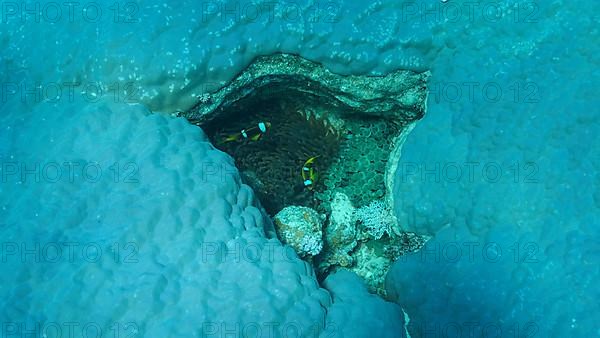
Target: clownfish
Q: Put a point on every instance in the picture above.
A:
(309, 173)
(252, 134)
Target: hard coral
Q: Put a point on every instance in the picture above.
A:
(376, 218)
(300, 228)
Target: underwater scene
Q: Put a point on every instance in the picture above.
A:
(300, 168)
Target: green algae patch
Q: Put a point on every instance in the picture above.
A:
(306, 137)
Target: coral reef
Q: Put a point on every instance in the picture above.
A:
(369, 142)
(375, 218)
(360, 240)
(340, 234)
(300, 228)
(352, 127)
(272, 165)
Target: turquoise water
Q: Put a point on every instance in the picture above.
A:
(502, 171)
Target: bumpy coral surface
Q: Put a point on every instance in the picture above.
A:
(376, 218)
(160, 227)
(300, 227)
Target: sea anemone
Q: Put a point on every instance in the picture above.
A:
(272, 165)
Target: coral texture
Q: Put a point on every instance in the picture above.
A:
(300, 227)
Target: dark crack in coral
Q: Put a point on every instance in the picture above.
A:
(272, 165)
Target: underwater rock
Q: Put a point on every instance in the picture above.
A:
(375, 218)
(354, 241)
(372, 267)
(333, 145)
(340, 233)
(341, 228)
(399, 95)
(300, 228)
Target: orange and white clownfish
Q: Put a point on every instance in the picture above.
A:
(251, 134)
(309, 173)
